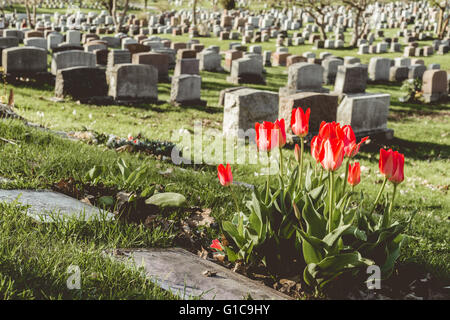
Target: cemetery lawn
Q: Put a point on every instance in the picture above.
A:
(41, 159)
(38, 255)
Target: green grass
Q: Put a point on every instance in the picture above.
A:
(40, 159)
(34, 259)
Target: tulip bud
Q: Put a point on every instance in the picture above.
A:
(297, 153)
(225, 175)
(354, 174)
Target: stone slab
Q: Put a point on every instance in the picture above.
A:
(181, 272)
(47, 205)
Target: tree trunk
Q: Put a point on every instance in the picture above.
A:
(110, 7)
(145, 4)
(194, 14)
(34, 14)
(113, 12)
(122, 15)
(27, 8)
(356, 30)
(444, 27)
(322, 31)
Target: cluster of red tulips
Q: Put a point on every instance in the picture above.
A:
(329, 148)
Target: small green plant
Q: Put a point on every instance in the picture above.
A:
(127, 179)
(412, 89)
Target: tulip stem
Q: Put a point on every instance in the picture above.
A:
(344, 184)
(350, 197)
(315, 170)
(268, 177)
(236, 202)
(300, 164)
(387, 218)
(281, 162)
(321, 175)
(379, 195)
(330, 216)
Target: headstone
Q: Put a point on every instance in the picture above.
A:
(136, 48)
(24, 60)
(187, 66)
(351, 60)
(53, 40)
(185, 90)
(323, 108)
(210, 61)
(72, 58)
(304, 77)
(294, 59)
(158, 60)
(231, 55)
(379, 69)
(81, 83)
(351, 79)
(330, 67)
(398, 74)
(279, 58)
(244, 107)
(8, 42)
(118, 57)
(101, 56)
(36, 42)
(131, 82)
(246, 70)
(434, 85)
(366, 113)
(402, 62)
(73, 37)
(416, 71)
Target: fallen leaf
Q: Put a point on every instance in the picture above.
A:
(203, 253)
(209, 273)
(201, 218)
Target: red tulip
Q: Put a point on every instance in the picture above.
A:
(300, 122)
(216, 245)
(332, 154)
(281, 132)
(351, 148)
(266, 137)
(331, 130)
(354, 174)
(386, 162)
(225, 175)
(391, 165)
(316, 147)
(398, 174)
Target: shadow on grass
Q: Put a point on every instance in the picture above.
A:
(33, 84)
(166, 107)
(414, 149)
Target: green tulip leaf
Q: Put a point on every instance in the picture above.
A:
(233, 232)
(167, 200)
(316, 224)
